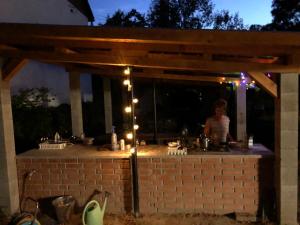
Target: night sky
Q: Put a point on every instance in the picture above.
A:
(253, 12)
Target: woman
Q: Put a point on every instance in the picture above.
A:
(217, 126)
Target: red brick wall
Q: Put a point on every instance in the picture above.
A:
(210, 184)
(79, 178)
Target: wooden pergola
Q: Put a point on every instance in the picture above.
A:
(196, 55)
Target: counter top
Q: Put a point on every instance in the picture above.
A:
(81, 151)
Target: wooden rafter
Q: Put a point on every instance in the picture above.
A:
(159, 61)
(155, 74)
(12, 67)
(142, 35)
(266, 83)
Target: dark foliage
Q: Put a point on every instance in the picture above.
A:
(223, 20)
(131, 19)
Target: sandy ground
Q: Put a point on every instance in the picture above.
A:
(155, 219)
(162, 219)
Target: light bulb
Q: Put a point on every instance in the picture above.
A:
(223, 78)
(126, 82)
(132, 150)
(136, 126)
(135, 100)
(128, 109)
(129, 87)
(127, 71)
(237, 83)
(253, 82)
(129, 136)
(221, 82)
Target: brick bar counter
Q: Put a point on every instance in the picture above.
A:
(208, 182)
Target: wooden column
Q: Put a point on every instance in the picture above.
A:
(241, 131)
(9, 192)
(107, 105)
(76, 105)
(286, 149)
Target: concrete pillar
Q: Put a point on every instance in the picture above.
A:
(241, 128)
(107, 105)
(9, 192)
(286, 148)
(75, 101)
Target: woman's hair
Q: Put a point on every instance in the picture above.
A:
(220, 103)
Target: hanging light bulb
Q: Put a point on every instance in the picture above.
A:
(132, 150)
(128, 109)
(135, 100)
(136, 126)
(126, 82)
(129, 87)
(237, 83)
(127, 71)
(253, 82)
(129, 136)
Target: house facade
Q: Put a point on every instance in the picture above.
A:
(38, 74)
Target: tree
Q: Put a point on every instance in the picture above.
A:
(223, 20)
(131, 19)
(189, 14)
(286, 15)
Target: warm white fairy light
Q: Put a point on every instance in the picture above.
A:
(127, 71)
(129, 87)
(135, 100)
(136, 126)
(129, 136)
(132, 150)
(126, 82)
(128, 109)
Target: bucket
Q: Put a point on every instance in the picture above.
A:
(64, 207)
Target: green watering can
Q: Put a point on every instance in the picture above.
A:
(93, 213)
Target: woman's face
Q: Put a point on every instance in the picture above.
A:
(219, 112)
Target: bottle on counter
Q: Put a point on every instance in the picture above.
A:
(114, 140)
(56, 137)
(122, 144)
(250, 141)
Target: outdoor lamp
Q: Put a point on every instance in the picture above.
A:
(127, 71)
(128, 109)
(132, 150)
(126, 82)
(129, 136)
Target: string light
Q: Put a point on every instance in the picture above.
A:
(135, 100)
(128, 109)
(126, 82)
(136, 126)
(127, 71)
(129, 136)
(132, 150)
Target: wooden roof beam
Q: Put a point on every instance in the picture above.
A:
(154, 74)
(143, 35)
(12, 67)
(266, 83)
(159, 61)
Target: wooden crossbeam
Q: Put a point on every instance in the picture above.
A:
(143, 35)
(12, 67)
(154, 74)
(159, 61)
(266, 83)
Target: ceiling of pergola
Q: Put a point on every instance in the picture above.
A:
(156, 53)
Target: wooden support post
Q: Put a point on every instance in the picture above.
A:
(9, 191)
(107, 105)
(286, 149)
(76, 105)
(241, 126)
